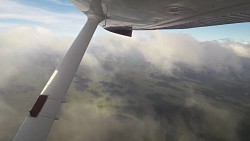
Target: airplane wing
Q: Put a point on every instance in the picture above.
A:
(173, 14)
(121, 17)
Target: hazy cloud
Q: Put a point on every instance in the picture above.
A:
(167, 51)
(20, 45)
(113, 97)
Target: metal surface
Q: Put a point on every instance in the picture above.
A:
(37, 128)
(172, 14)
(38, 123)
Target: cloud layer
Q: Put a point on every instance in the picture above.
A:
(167, 51)
(129, 88)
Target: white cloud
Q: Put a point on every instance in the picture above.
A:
(240, 49)
(91, 61)
(31, 37)
(168, 51)
(19, 44)
(11, 10)
(62, 3)
(164, 51)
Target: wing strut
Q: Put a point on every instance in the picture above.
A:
(38, 123)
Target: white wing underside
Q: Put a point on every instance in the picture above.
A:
(172, 14)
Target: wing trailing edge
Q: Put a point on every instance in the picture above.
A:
(121, 31)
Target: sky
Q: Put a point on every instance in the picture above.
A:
(62, 17)
(121, 89)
